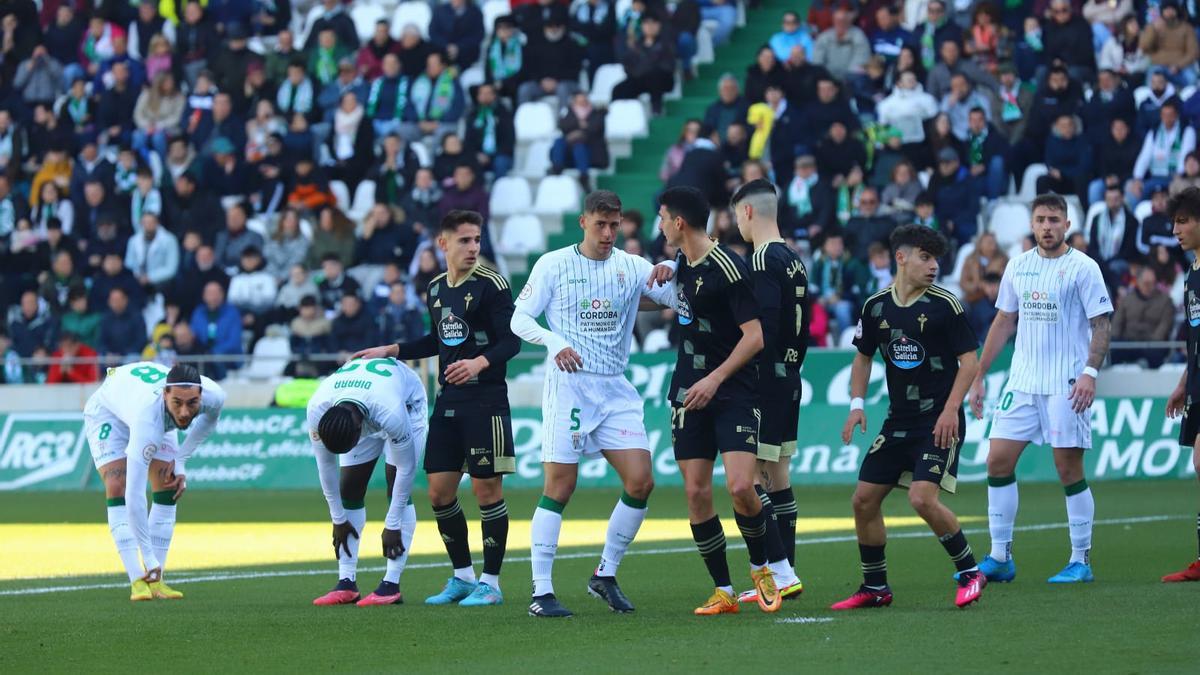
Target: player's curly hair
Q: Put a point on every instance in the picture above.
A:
(340, 427)
(1185, 204)
(919, 236)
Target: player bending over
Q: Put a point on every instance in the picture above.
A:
(590, 294)
(781, 289)
(470, 307)
(928, 350)
(1054, 298)
(1184, 212)
(365, 409)
(713, 397)
(132, 423)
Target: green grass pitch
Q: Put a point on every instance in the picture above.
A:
(1125, 622)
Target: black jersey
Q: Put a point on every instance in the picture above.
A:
(469, 319)
(920, 344)
(781, 289)
(714, 299)
(1191, 304)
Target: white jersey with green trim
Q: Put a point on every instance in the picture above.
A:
(590, 305)
(394, 402)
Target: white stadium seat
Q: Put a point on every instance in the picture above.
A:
(1010, 223)
(556, 195)
(424, 156)
(1143, 209)
(341, 193)
(416, 13)
(607, 77)
(510, 196)
(522, 234)
(626, 120)
(535, 160)
(309, 19)
(1029, 182)
(271, 354)
(492, 10)
(1091, 212)
(364, 199)
(535, 121)
(365, 16)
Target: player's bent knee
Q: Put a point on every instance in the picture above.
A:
(921, 502)
(487, 491)
(639, 487)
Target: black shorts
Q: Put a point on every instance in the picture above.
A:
(1190, 426)
(780, 408)
(901, 456)
(725, 426)
(479, 445)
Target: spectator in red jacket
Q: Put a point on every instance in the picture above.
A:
(78, 363)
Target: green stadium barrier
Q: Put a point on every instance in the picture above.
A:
(269, 448)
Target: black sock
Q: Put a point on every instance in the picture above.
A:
(494, 519)
(874, 566)
(452, 525)
(785, 521)
(959, 550)
(768, 507)
(710, 540)
(754, 531)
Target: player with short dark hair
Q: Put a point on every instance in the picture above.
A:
(364, 410)
(781, 289)
(131, 424)
(470, 308)
(928, 348)
(713, 396)
(1184, 212)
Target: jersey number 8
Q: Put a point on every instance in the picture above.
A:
(149, 374)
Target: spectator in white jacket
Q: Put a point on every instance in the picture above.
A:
(907, 108)
(153, 255)
(252, 291)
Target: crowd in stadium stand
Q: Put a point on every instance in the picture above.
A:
(183, 177)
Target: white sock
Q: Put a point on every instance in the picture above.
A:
(623, 526)
(348, 564)
(408, 523)
(544, 531)
(727, 589)
(467, 574)
(162, 528)
(784, 574)
(1002, 514)
(127, 548)
(492, 580)
(1081, 508)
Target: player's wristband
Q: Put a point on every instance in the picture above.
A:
(1091, 371)
(856, 403)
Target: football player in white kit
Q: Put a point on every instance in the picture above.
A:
(131, 424)
(1054, 298)
(590, 294)
(366, 409)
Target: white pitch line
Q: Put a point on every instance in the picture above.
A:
(805, 619)
(235, 576)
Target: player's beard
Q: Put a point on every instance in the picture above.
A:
(1058, 243)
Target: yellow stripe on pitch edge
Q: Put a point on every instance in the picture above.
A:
(48, 550)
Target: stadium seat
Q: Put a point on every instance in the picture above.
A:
(309, 19)
(341, 193)
(1029, 182)
(1140, 95)
(510, 196)
(260, 225)
(1143, 209)
(1187, 92)
(367, 276)
(492, 10)
(416, 13)
(424, 156)
(556, 195)
(522, 234)
(365, 16)
(535, 121)
(1010, 223)
(1074, 215)
(1091, 212)
(364, 199)
(534, 160)
(705, 53)
(608, 76)
(657, 340)
(471, 77)
(625, 121)
(270, 358)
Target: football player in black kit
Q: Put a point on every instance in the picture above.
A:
(470, 309)
(928, 348)
(1184, 212)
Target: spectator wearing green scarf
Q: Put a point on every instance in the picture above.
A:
(435, 102)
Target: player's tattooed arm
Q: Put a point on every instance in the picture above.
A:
(1101, 334)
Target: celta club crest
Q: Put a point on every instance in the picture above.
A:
(921, 320)
(699, 283)
(467, 300)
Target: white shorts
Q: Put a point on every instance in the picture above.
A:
(1045, 419)
(585, 413)
(371, 447)
(108, 437)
